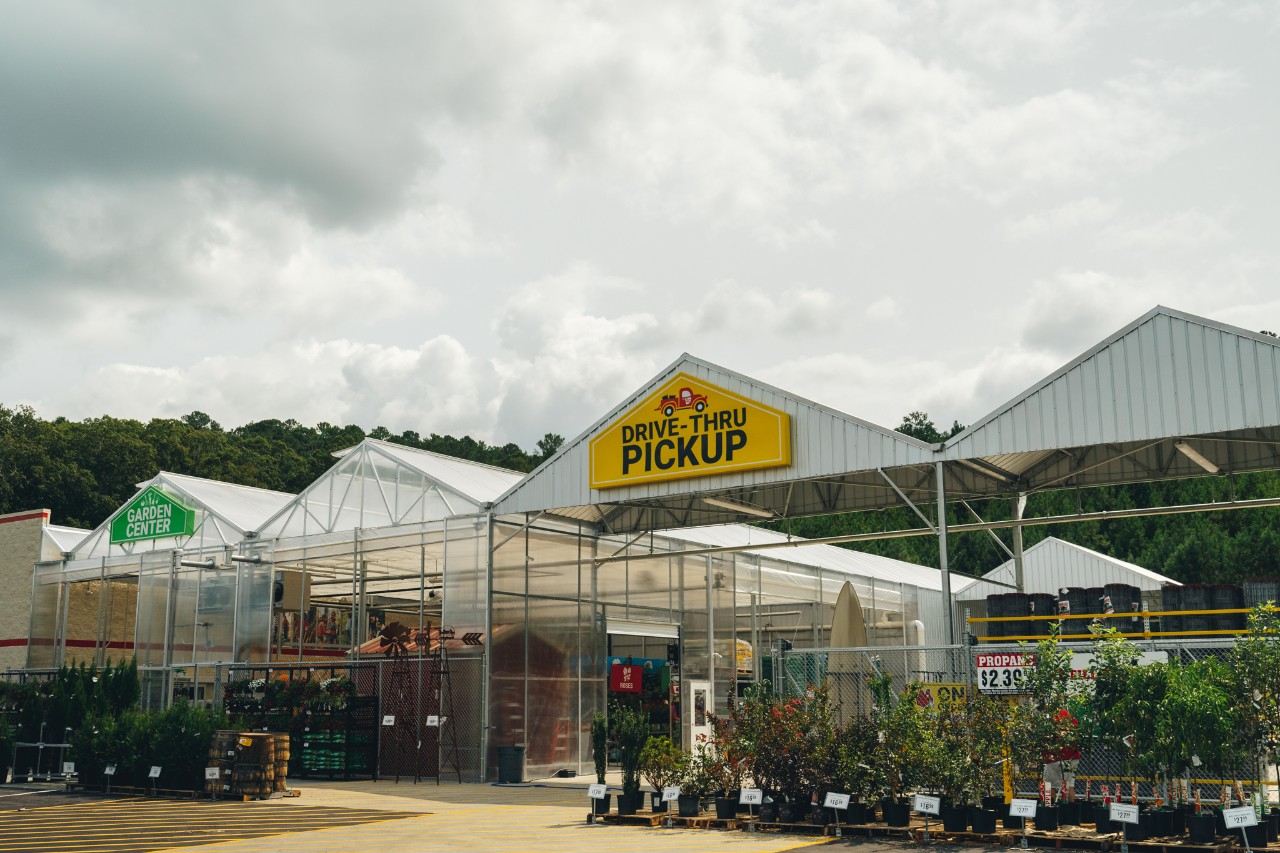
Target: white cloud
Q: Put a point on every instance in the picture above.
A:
(996, 33)
(1081, 213)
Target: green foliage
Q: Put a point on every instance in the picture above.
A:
(177, 740)
(631, 726)
(699, 777)
(662, 762)
(863, 776)
(1254, 665)
(600, 744)
(903, 732)
(84, 470)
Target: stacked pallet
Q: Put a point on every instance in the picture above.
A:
(250, 764)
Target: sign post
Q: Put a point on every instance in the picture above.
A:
(153, 775)
(671, 794)
(212, 774)
(1124, 813)
(109, 771)
(1241, 818)
(1025, 809)
(837, 803)
(927, 806)
(751, 797)
(596, 793)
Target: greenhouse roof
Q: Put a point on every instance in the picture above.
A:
(844, 560)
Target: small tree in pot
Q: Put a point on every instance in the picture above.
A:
(661, 765)
(632, 729)
(600, 755)
(861, 773)
(697, 782)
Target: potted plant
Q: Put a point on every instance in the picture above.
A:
(820, 762)
(600, 755)
(726, 768)
(947, 762)
(900, 732)
(696, 783)
(861, 773)
(661, 764)
(631, 726)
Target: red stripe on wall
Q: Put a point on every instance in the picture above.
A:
(17, 641)
(40, 513)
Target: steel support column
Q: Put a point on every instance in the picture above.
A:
(947, 608)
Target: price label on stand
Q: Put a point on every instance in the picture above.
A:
(1023, 808)
(211, 773)
(596, 792)
(389, 720)
(433, 721)
(1240, 817)
(671, 793)
(751, 796)
(68, 767)
(927, 805)
(1124, 813)
(836, 801)
(109, 770)
(155, 772)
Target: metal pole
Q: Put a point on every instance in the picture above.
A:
(947, 609)
(1019, 506)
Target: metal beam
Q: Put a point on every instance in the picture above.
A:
(907, 500)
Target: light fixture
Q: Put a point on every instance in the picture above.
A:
(1196, 456)
(742, 508)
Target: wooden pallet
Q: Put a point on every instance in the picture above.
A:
(1007, 838)
(1058, 841)
(1173, 845)
(645, 819)
(700, 822)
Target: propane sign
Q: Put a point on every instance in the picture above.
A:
(688, 428)
(1002, 672)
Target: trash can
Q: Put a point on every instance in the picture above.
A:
(510, 764)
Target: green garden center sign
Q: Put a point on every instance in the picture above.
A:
(152, 515)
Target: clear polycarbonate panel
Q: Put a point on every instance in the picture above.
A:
(45, 616)
(253, 605)
(154, 576)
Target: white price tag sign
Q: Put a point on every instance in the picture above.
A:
(109, 770)
(751, 796)
(1023, 808)
(211, 773)
(596, 792)
(433, 721)
(927, 805)
(68, 767)
(389, 720)
(1239, 818)
(836, 801)
(671, 793)
(1124, 813)
(155, 772)
(1001, 673)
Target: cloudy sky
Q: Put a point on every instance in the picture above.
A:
(499, 219)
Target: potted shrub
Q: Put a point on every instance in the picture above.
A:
(726, 767)
(986, 720)
(900, 732)
(820, 762)
(600, 755)
(947, 763)
(696, 783)
(860, 771)
(661, 765)
(632, 731)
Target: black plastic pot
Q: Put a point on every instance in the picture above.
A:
(601, 806)
(896, 814)
(630, 803)
(983, 820)
(789, 813)
(1257, 835)
(1011, 822)
(1159, 823)
(1068, 813)
(995, 804)
(819, 816)
(1178, 820)
(769, 812)
(1136, 831)
(657, 805)
(1046, 818)
(689, 806)
(1272, 820)
(726, 808)
(858, 813)
(955, 819)
(1102, 823)
(1202, 828)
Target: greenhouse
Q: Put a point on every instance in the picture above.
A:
(491, 610)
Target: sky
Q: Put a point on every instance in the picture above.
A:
(500, 219)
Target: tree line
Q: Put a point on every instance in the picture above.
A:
(84, 470)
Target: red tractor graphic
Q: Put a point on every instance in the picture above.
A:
(686, 399)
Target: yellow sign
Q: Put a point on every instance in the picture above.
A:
(935, 693)
(688, 428)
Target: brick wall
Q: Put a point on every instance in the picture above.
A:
(20, 538)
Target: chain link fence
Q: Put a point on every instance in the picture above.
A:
(949, 673)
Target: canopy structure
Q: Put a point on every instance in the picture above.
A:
(1168, 396)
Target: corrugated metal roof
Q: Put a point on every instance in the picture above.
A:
(823, 441)
(1052, 564)
(1165, 374)
(857, 563)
